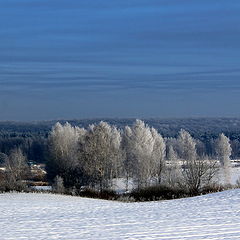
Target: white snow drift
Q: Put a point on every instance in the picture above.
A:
(46, 216)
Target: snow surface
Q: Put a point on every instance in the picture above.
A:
(48, 216)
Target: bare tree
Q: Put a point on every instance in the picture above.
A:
(17, 170)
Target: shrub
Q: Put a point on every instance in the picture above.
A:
(58, 186)
(212, 188)
(104, 194)
(159, 192)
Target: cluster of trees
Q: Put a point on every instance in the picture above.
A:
(32, 137)
(95, 156)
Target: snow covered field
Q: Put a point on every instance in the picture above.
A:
(46, 216)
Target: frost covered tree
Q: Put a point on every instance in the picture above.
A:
(101, 153)
(127, 154)
(158, 155)
(174, 176)
(64, 147)
(63, 144)
(187, 145)
(197, 172)
(223, 150)
(145, 151)
(139, 144)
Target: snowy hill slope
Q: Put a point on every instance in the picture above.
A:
(45, 216)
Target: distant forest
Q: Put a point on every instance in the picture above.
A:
(32, 137)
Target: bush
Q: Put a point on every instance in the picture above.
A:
(104, 194)
(238, 183)
(212, 188)
(58, 185)
(18, 186)
(160, 192)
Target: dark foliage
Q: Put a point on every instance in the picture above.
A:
(153, 193)
(104, 194)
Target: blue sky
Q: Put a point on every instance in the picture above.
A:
(133, 58)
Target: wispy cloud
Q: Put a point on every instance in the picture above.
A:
(118, 47)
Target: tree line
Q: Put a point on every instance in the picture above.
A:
(97, 155)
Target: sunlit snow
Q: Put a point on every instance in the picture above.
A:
(47, 216)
